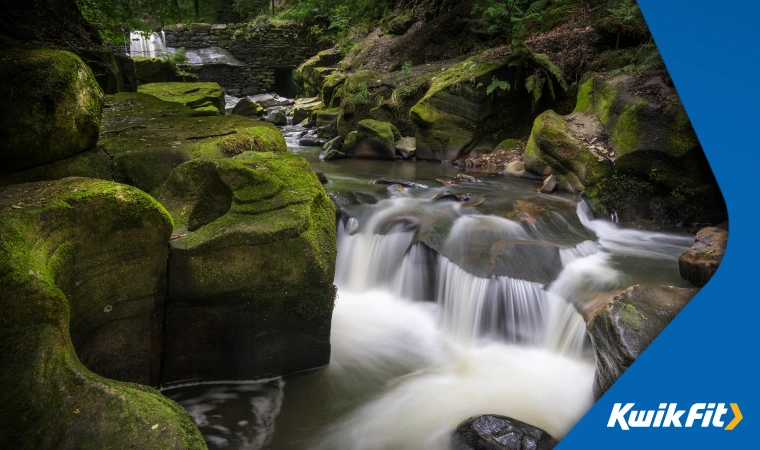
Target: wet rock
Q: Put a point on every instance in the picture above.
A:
(248, 108)
(549, 184)
(206, 99)
(320, 176)
(623, 328)
(114, 73)
(333, 154)
(311, 140)
(699, 263)
(276, 117)
(468, 178)
(372, 140)
(398, 224)
(406, 147)
(251, 273)
(304, 107)
(495, 432)
(446, 195)
(409, 184)
(55, 111)
(270, 100)
(530, 208)
(90, 300)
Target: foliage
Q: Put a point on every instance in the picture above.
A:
(508, 16)
(635, 60)
(497, 84)
(176, 57)
(406, 69)
(357, 97)
(542, 73)
(623, 17)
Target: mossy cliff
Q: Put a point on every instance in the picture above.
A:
(251, 268)
(630, 148)
(82, 276)
(53, 97)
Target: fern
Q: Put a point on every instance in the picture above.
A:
(497, 84)
(544, 73)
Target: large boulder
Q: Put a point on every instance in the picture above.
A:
(372, 140)
(621, 329)
(699, 263)
(248, 108)
(304, 108)
(51, 107)
(630, 149)
(495, 432)
(251, 270)
(82, 287)
(449, 113)
(206, 99)
(147, 138)
(159, 70)
(114, 72)
(93, 163)
(554, 147)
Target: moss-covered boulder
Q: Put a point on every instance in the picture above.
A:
(82, 287)
(641, 159)
(147, 138)
(50, 107)
(304, 108)
(159, 70)
(373, 140)
(251, 270)
(206, 99)
(311, 74)
(248, 108)
(554, 148)
(452, 109)
(93, 163)
(621, 329)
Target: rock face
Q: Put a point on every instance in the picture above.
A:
(699, 263)
(159, 70)
(51, 107)
(372, 140)
(630, 149)
(247, 107)
(83, 278)
(205, 99)
(494, 432)
(304, 108)
(313, 72)
(114, 73)
(251, 275)
(625, 326)
(446, 117)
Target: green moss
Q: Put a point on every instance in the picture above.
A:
(204, 98)
(585, 99)
(626, 134)
(682, 137)
(52, 108)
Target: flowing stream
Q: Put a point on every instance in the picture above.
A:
(432, 325)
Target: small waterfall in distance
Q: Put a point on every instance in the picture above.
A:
(154, 45)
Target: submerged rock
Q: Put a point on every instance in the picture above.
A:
(206, 99)
(699, 263)
(250, 275)
(410, 184)
(83, 288)
(495, 432)
(51, 107)
(623, 328)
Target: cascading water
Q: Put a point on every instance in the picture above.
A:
(427, 331)
(153, 45)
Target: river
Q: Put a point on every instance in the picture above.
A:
(429, 328)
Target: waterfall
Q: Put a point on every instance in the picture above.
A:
(154, 45)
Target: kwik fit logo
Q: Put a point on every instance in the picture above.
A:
(668, 415)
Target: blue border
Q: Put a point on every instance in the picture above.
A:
(708, 353)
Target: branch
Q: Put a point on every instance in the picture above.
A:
(195, 138)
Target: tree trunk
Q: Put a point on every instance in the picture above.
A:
(197, 11)
(272, 7)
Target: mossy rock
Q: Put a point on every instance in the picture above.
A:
(159, 70)
(206, 99)
(554, 147)
(449, 113)
(332, 83)
(251, 271)
(51, 106)
(373, 140)
(148, 138)
(623, 328)
(83, 278)
(312, 74)
(304, 108)
(399, 24)
(248, 108)
(93, 163)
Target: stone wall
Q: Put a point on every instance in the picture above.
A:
(262, 48)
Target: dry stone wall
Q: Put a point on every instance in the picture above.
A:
(269, 52)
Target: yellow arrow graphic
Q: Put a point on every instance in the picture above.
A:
(737, 417)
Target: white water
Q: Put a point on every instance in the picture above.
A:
(154, 45)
